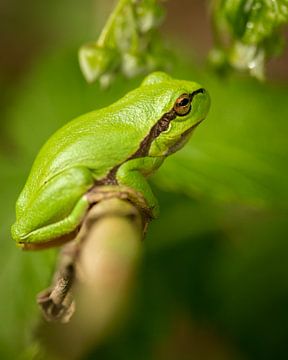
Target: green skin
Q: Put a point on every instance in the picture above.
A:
(121, 144)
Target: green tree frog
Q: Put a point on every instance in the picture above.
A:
(121, 144)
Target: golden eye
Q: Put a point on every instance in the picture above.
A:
(182, 105)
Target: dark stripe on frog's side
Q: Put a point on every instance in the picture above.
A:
(155, 131)
(144, 147)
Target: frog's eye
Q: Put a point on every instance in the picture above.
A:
(182, 105)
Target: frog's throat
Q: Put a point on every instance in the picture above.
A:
(143, 150)
(184, 137)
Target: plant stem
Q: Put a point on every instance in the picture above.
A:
(105, 273)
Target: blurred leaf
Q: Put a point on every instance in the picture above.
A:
(249, 287)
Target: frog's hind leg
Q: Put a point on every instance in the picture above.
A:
(55, 214)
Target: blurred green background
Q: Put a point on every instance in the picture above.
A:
(213, 282)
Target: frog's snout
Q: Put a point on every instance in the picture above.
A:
(196, 92)
(205, 98)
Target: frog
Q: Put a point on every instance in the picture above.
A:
(118, 145)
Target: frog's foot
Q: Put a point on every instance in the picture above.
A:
(57, 302)
(99, 193)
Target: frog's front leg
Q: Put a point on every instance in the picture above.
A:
(133, 174)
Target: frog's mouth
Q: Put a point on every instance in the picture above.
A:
(184, 137)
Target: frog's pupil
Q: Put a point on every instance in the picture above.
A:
(184, 102)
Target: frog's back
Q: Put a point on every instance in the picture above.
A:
(98, 141)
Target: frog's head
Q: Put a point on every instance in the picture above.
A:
(184, 105)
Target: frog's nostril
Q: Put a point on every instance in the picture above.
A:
(199, 91)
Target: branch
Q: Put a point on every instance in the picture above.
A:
(105, 271)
